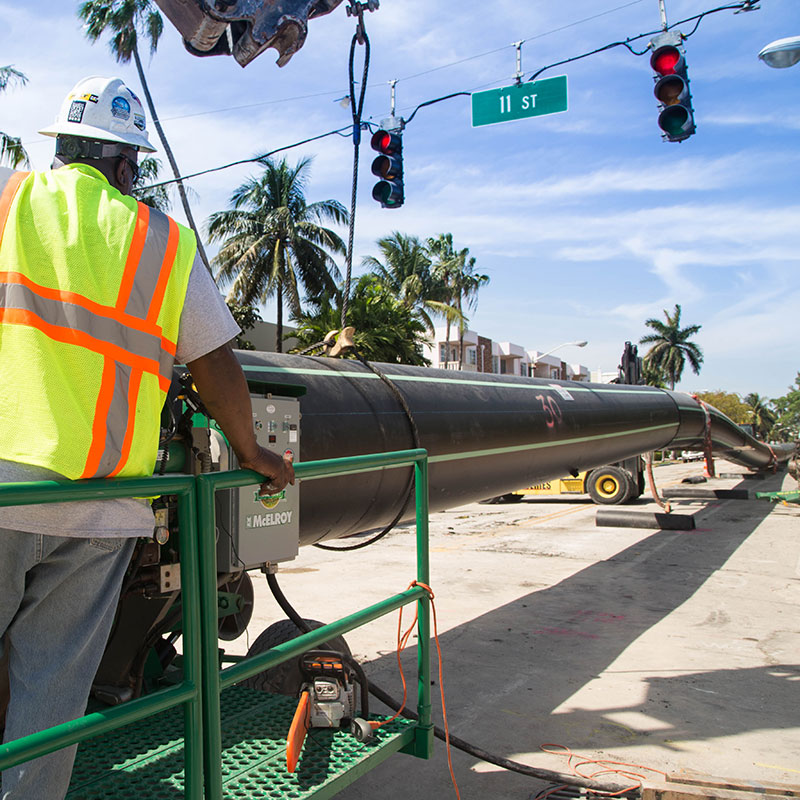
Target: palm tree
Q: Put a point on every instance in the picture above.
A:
(125, 18)
(387, 329)
(157, 196)
(671, 348)
(444, 262)
(652, 375)
(787, 407)
(467, 284)
(405, 269)
(761, 416)
(272, 240)
(11, 149)
(456, 270)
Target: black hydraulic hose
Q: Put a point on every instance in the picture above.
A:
(285, 605)
(506, 763)
(484, 755)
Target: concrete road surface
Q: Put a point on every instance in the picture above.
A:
(671, 650)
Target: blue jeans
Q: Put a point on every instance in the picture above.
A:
(58, 596)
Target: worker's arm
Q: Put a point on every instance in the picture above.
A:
(223, 389)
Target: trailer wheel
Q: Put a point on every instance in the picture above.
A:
(232, 626)
(286, 678)
(609, 486)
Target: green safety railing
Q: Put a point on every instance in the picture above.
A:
(215, 680)
(199, 691)
(187, 692)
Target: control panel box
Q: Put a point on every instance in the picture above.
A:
(253, 530)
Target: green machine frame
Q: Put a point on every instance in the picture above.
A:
(206, 694)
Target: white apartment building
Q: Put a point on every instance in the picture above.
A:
(481, 354)
(600, 376)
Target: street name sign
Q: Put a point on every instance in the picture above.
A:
(530, 99)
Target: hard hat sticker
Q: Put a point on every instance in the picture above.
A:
(76, 109)
(92, 98)
(120, 108)
(138, 121)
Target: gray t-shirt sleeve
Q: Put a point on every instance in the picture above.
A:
(206, 322)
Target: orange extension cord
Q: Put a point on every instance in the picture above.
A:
(607, 767)
(575, 762)
(402, 641)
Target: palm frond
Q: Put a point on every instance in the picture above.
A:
(12, 151)
(9, 76)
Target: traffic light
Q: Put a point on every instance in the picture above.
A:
(388, 166)
(676, 117)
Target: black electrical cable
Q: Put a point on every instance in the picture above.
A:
(285, 605)
(484, 755)
(437, 100)
(744, 5)
(409, 488)
(356, 107)
(252, 160)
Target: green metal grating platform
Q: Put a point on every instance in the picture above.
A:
(145, 760)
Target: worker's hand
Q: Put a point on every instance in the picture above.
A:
(278, 469)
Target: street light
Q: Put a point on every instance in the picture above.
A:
(781, 53)
(557, 347)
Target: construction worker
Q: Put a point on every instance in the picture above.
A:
(99, 297)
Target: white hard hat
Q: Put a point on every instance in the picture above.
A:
(104, 109)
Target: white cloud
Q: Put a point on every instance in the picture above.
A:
(748, 119)
(585, 219)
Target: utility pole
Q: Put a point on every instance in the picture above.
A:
(662, 7)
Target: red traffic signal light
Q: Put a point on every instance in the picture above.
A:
(388, 166)
(676, 117)
(667, 60)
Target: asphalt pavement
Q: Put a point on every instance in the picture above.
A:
(674, 650)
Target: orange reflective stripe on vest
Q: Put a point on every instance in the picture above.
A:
(147, 270)
(127, 335)
(9, 184)
(68, 317)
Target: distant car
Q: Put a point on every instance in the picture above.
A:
(692, 455)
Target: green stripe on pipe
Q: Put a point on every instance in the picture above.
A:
(332, 373)
(540, 445)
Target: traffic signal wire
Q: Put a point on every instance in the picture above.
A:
(522, 41)
(346, 131)
(436, 100)
(743, 5)
(253, 159)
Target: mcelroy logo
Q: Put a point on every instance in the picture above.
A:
(269, 520)
(270, 500)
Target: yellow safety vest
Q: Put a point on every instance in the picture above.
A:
(92, 284)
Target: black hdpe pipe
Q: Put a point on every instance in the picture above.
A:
(485, 434)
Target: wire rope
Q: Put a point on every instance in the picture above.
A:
(359, 37)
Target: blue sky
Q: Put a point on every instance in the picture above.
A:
(586, 222)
